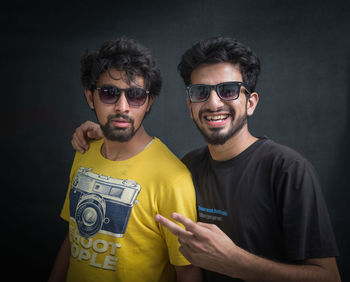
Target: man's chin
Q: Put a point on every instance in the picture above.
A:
(216, 139)
(119, 138)
(219, 135)
(118, 134)
(214, 136)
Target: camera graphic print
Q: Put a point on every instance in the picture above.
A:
(101, 204)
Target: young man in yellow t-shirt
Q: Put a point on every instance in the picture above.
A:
(119, 185)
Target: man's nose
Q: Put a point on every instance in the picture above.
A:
(214, 101)
(122, 104)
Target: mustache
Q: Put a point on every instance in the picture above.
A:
(126, 117)
(207, 111)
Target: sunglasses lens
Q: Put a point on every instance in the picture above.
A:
(136, 96)
(229, 91)
(199, 93)
(109, 95)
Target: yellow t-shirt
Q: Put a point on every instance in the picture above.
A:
(110, 207)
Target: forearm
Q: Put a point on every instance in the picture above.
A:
(60, 268)
(254, 268)
(188, 273)
(207, 246)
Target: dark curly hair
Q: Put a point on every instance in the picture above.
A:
(125, 55)
(217, 50)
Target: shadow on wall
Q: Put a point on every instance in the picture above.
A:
(339, 194)
(37, 165)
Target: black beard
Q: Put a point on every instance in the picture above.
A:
(215, 138)
(118, 134)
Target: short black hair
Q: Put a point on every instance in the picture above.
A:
(125, 55)
(218, 50)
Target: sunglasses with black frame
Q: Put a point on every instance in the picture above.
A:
(135, 96)
(227, 91)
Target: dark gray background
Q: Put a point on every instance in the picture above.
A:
(304, 48)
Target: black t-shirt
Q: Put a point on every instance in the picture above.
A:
(267, 199)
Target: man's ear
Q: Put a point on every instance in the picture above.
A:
(89, 98)
(150, 102)
(189, 105)
(252, 102)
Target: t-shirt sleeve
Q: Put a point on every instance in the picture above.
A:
(180, 198)
(305, 220)
(65, 209)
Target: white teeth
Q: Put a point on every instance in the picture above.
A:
(216, 118)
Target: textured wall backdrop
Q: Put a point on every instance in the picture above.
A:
(304, 47)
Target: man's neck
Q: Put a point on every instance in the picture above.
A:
(121, 151)
(232, 147)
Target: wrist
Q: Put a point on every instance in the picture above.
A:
(239, 263)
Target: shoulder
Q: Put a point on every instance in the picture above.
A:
(95, 144)
(278, 154)
(288, 166)
(94, 148)
(173, 178)
(196, 157)
(164, 160)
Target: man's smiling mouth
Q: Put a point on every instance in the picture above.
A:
(216, 118)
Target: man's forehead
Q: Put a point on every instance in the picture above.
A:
(115, 76)
(214, 73)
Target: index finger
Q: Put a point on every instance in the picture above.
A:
(173, 227)
(79, 136)
(77, 146)
(185, 221)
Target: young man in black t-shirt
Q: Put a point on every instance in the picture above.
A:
(261, 212)
(260, 206)
(267, 200)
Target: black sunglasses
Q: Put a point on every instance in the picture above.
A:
(136, 97)
(227, 91)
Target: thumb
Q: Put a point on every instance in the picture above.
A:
(93, 133)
